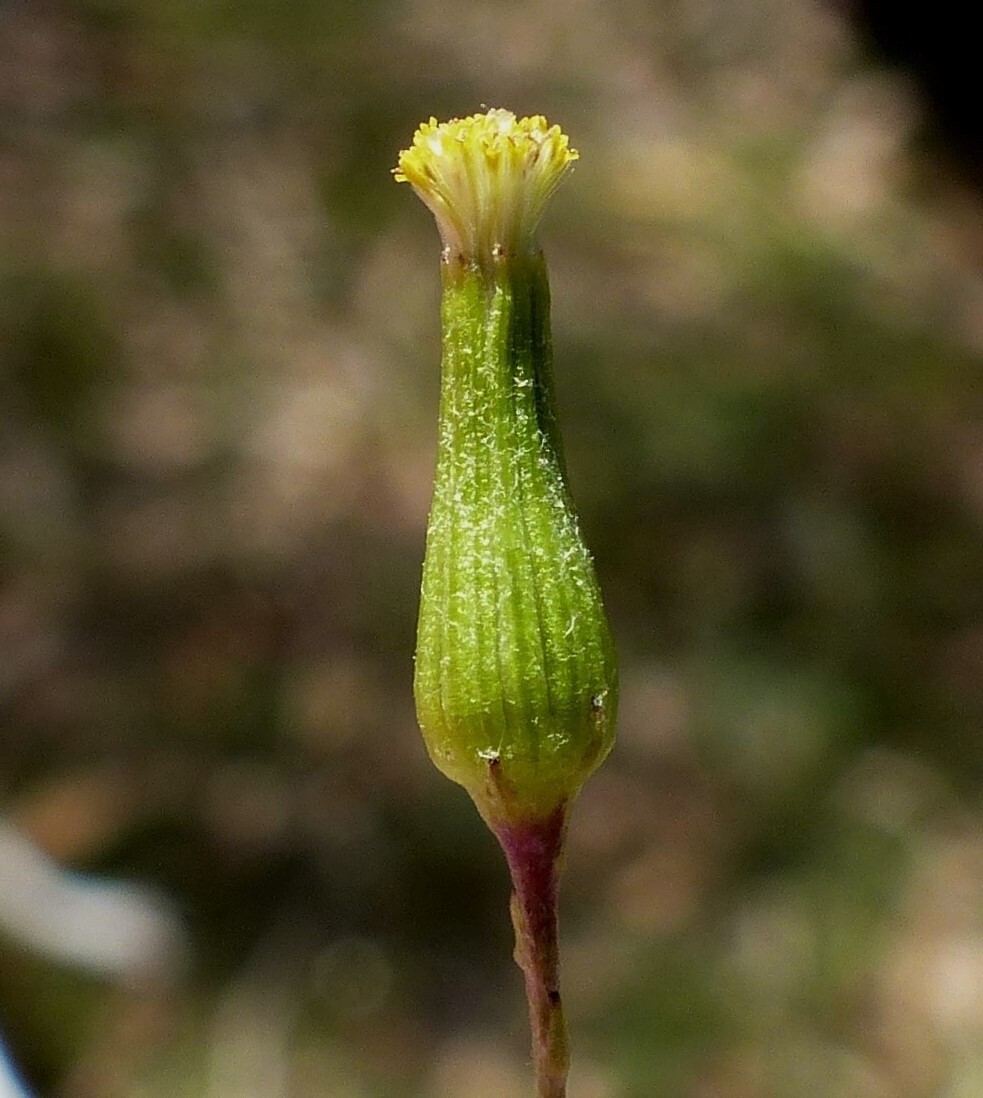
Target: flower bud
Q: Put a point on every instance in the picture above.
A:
(515, 677)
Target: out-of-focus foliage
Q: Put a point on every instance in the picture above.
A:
(218, 373)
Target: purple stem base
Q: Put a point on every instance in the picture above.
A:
(532, 849)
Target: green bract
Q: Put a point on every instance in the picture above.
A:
(515, 683)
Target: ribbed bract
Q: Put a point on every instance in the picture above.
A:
(515, 680)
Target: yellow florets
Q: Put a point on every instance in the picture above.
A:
(486, 178)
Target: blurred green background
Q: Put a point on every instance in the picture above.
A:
(218, 375)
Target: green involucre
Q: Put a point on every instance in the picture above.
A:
(515, 682)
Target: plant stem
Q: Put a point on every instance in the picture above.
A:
(532, 849)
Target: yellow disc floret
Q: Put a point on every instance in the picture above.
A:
(486, 178)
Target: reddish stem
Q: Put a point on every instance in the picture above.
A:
(533, 849)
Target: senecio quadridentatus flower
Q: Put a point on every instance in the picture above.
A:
(487, 178)
(515, 676)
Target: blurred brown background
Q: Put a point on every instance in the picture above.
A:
(218, 374)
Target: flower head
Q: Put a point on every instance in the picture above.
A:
(486, 178)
